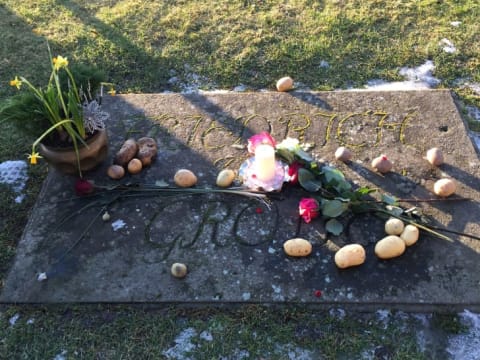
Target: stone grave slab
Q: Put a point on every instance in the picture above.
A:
(233, 245)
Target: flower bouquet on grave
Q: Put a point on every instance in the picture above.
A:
(64, 117)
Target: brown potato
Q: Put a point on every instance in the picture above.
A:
(126, 153)
(115, 172)
(147, 150)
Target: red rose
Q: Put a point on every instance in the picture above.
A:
(83, 187)
(293, 172)
(262, 138)
(308, 209)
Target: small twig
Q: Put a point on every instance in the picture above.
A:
(455, 232)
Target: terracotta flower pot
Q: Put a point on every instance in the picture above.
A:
(65, 159)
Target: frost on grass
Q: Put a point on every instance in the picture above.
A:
(466, 346)
(118, 224)
(448, 46)
(183, 345)
(417, 78)
(14, 174)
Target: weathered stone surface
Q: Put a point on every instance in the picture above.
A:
(233, 246)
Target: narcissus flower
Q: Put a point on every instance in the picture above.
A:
(60, 62)
(259, 139)
(16, 82)
(112, 92)
(33, 157)
(308, 209)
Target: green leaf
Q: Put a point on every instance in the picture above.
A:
(308, 181)
(333, 208)
(304, 155)
(334, 226)
(288, 156)
(389, 200)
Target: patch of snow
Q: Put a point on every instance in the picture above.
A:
(118, 224)
(466, 346)
(237, 355)
(419, 78)
(473, 112)
(338, 313)
(246, 296)
(14, 174)
(183, 345)
(475, 87)
(455, 23)
(61, 356)
(206, 335)
(42, 276)
(448, 46)
(30, 321)
(324, 64)
(240, 88)
(13, 319)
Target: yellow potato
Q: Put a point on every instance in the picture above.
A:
(297, 247)
(394, 226)
(350, 255)
(285, 84)
(435, 156)
(134, 166)
(390, 247)
(225, 178)
(410, 235)
(444, 187)
(185, 178)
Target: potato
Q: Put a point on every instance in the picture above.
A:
(147, 150)
(297, 247)
(126, 153)
(134, 166)
(410, 235)
(115, 172)
(390, 247)
(185, 178)
(350, 255)
(225, 178)
(382, 164)
(435, 156)
(394, 226)
(444, 187)
(343, 154)
(285, 84)
(179, 270)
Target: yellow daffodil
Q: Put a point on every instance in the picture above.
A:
(33, 157)
(112, 91)
(16, 82)
(60, 62)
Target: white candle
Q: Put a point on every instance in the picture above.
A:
(265, 162)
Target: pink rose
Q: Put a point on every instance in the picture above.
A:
(83, 187)
(293, 172)
(308, 209)
(258, 139)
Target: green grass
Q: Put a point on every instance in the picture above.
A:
(106, 332)
(143, 44)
